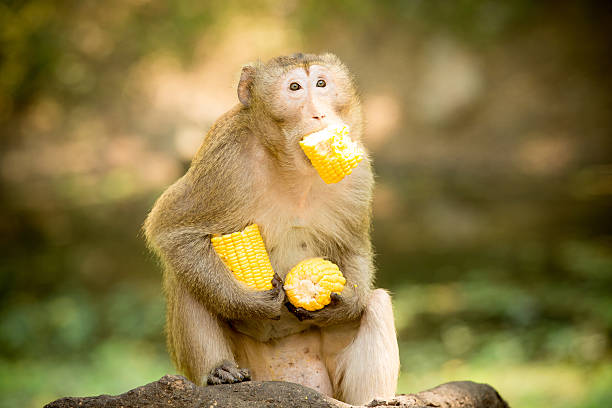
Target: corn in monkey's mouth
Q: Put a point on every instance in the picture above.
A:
(332, 152)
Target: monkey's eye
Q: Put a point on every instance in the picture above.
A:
(294, 86)
(321, 83)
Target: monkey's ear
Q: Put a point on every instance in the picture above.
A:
(244, 86)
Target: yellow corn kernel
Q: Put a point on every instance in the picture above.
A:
(332, 152)
(310, 283)
(244, 253)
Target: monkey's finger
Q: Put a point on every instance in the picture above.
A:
(290, 307)
(303, 314)
(299, 312)
(335, 298)
(277, 282)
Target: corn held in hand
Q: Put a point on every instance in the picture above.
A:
(244, 253)
(310, 283)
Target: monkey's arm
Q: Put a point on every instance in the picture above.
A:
(188, 253)
(214, 197)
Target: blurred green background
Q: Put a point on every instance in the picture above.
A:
(490, 124)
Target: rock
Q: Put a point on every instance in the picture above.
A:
(177, 391)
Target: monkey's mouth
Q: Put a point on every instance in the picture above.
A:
(309, 135)
(323, 141)
(332, 152)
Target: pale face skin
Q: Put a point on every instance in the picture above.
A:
(306, 101)
(309, 97)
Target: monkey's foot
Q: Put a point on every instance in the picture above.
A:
(228, 373)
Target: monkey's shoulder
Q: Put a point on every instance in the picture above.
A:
(224, 144)
(215, 191)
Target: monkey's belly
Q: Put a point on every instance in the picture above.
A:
(266, 330)
(296, 358)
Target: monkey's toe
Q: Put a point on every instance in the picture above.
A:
(228, 373)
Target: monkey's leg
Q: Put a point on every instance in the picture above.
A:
(197, 342)
(368, 366)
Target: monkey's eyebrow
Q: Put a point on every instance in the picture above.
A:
(305, 66)
(287, 70)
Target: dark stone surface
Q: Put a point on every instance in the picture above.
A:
(177, 391)
(464, 394)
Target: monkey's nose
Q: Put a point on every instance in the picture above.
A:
(320, 116)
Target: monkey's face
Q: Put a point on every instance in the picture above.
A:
(304, 100)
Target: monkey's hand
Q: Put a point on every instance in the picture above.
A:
(299, 312)
(275, 296)
(303, 314)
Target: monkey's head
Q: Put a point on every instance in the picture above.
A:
(297, 95)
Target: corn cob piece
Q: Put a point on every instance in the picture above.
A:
(244, 253)
(310, 283)
(332, 152)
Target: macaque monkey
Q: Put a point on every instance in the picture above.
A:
(250, 169)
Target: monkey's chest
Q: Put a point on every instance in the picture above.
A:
(289, 248)
(292, 235)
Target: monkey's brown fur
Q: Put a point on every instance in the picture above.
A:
(250, 169)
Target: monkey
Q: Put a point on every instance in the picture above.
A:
(250, 169)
